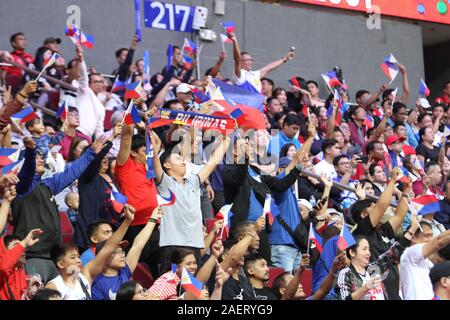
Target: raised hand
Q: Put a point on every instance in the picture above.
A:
(129, 212)
(157, 213)
(305, 262)
(80, 53)
(222, 56)
(221, 275)
(134, 42)
(260, 224)
(360, 193)
(218, 224)
(10, 193)
(8, 180)
(327, 182)
(217, 249)
(29, 143)
(31, 238)
(117, 130)
(7, 97)
(98, 144)
(29, 88)
(338, 262)
(156, 142)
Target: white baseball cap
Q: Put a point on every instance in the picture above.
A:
(305, 203)
(424, 103)
(183, 88)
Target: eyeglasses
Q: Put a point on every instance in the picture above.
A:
(97, 81)
(247, 60)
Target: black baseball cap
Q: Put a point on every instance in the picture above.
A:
(52, 40)
(123, 244)
(440, 270)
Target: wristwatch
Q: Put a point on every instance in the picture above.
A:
(299, 167)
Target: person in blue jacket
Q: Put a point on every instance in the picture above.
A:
(35, 206)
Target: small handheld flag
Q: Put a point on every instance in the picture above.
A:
(191, 283)
(345, 239)
(14, 167)
(368, 121)
(48, 62)
(118, 85)
(24, 116)
(131, 90)
(313, 236)
(62, 111)
(389, 67)
(267, 212)
(229, 26)
(423, 89)
(118, 200)
(166, 201)
(331, 80)
(425, 204)
(225, 214)
(173, 273)
(132, 116)
(8, 156)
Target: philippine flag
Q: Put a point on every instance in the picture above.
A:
(225, 38)
(331, 79)
(131, 90)
(173, 274)
(423, 89)
(229, 26)
(394, 94)
(24, 116)
(267, 211)
(14, 167)
(8, 156)
(191, 283)
(62, 111)
(368, 121)
(389, 67)
(313, 236)
(166, 201)
(118, 85)
(294, 83)
(51, 60)
(132, 116)
(87, 40)
(426, 204)
(345, 239)
(225, 214)
(118, 200)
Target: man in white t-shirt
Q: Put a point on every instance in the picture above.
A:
(416, 262)
(330, 150)
(243, 75)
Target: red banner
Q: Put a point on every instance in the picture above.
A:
(425, 10)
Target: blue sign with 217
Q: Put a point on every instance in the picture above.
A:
(168, 16)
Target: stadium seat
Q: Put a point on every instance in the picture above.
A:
(143, 275)
(273, 273)
(66, 228)
(53, 102)
(107, 121)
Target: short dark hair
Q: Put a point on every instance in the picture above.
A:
(179, 254)
(245, 52)
(386, 93)
(32, 122)
(119, 51)
(127, 290)
(422, 133)
(241, 229)
(165, 156)
(14, 36)
(137, 141)
(421, 116)
(313, 82)
(338, 158)
(8, 239)
(399, 124)
(370, 146)
(358, 207)
(360, 93)
(268, 80)
(93, 227)
(328, 143)
(251, 258)
(397, 106)
(358, 239)
(60, 251)
(169, 103)
(352, 110)
(372, 168)
(290, 120)
(46, 294)
(92, 75)
(279, 282)
(70, 64)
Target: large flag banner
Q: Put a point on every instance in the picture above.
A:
(236, 95)
(426, 204)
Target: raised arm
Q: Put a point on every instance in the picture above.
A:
(28, 171)
(292, 286)
(374, 96)
(95, 267)
(156, 142)
(275, 64)
(238, 251)
(125, 66)
(385, 199)
(142, 238)
(327, 283)
(401, 210)
(8, 197)
(405, 94)
(159, 99)
(236, 54)
(218, 224)
(125, 145)
(436, 244)
(216, 69)
(84, 78)
(16, 104)
(60, 181)
(304, 149)
(332, 120)
(93, 168)
(205, 271)
(215, 159)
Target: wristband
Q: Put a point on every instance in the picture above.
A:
(20, 94)
(153, 220)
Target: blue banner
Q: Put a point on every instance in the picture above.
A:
(168, 16)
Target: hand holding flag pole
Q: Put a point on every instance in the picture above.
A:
(50, 61)
(413, 211)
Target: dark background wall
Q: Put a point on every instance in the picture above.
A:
(323, 37)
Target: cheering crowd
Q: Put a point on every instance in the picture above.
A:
(356, 192)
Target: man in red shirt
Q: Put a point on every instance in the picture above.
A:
(140, 191)
(14, 75)
(446, 93)
(12, 259)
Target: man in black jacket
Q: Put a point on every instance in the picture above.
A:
(246, 187)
